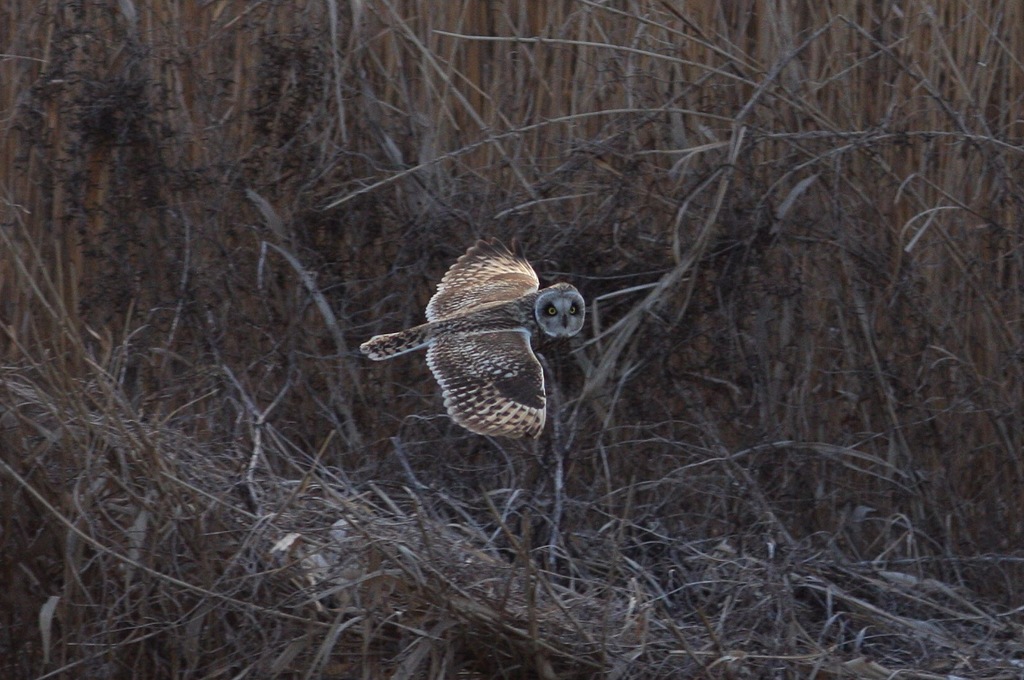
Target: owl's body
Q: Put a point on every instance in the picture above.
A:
(477, 335)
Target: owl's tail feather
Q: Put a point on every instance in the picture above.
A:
(381, 347)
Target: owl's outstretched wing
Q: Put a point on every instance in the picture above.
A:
(488, 272)
(492, 383)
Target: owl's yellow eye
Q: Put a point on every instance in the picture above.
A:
(572, 310)
(551, 310)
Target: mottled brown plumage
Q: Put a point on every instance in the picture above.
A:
(478, 330)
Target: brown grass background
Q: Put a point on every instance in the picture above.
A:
(787, 444)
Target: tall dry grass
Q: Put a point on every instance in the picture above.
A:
(787, 445)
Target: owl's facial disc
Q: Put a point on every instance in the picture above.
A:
(559, 311)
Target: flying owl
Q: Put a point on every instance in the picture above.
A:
(477, 335)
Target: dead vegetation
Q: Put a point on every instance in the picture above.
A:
(788, 443)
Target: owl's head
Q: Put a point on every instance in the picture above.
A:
(559, 310)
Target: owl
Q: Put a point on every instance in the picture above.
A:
(479, 325)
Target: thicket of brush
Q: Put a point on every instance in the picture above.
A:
(787, 444)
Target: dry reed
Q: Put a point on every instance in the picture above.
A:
(787, 445)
